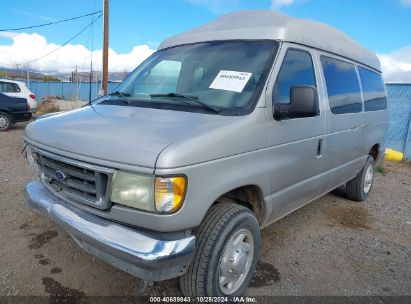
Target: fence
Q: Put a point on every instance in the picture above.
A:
(399, 127)
(399, 105)
(68, 90)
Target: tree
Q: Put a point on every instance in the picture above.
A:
(3, 74)
(50, 78)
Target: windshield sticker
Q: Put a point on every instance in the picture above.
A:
(230, 81)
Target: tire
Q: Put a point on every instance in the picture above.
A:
(5, 121)
(360, 186)
(225, 224)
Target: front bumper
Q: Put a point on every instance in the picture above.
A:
(128, 249)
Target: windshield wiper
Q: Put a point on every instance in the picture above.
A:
(183, 97)
(119, 93)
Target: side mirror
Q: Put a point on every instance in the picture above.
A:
(303, 103)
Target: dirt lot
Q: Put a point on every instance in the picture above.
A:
(331, 247)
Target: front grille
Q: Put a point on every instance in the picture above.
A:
(75, 181)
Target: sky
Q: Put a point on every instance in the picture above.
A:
(138, 26)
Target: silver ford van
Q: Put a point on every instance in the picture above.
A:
(222, 131)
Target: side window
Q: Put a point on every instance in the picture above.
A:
(373, 89)
(343, 88)
(296, 69)
(16, 87)
(7, 87)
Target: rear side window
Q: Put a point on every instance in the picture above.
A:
(297, 69)
(373, 89)
(8, 87)
(343, 88)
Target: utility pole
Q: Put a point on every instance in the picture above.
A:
(105, 47)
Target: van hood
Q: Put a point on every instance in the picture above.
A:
(120, 134)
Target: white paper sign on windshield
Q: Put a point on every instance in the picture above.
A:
(230, 81)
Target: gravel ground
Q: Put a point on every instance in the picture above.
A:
(331, 247)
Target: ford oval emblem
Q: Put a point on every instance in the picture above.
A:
(60, 175)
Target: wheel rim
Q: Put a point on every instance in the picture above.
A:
(4, 121)
(369, 175)
(235, 263)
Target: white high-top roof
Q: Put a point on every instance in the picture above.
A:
(265, 24)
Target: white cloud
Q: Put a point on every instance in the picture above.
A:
(396, 66)
(406, 3)
(276, 4)
(6, 34)
(26, 47)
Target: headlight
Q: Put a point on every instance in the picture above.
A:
(169, 193)
(145, 192)
(133, 190)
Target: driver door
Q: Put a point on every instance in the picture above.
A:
(296, 145)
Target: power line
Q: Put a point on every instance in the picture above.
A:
(46, 24)
(61, 46)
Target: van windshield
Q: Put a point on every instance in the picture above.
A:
(223, 77)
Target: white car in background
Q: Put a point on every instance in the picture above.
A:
(14, 88)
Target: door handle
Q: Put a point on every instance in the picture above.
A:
(319, 147)
(359, 127)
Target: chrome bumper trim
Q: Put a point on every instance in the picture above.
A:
(128, 249)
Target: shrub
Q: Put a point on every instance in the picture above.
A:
(380, 169)
(48, 106)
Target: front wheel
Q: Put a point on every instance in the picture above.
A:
(227, 250)
(359, 187)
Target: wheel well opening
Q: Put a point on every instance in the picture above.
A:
(374, 151)
(247, 196)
